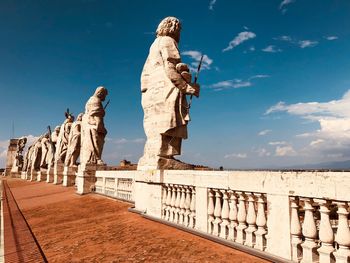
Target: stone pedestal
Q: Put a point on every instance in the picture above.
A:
(23, 175)
(69, 175)
(58, 173)
(42, 174)
(33, 175)
(15, 172)
(86, 178)
(49, 174)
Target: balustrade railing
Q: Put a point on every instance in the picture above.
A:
(320, 230)
(238, 217)
(115, 185)
(179, 204)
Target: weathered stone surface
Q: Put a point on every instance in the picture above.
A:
(165, 82)
(93, 129)
(69, 174)
(63, 138)
(74, 143)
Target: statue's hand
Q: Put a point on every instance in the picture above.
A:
(193, 89)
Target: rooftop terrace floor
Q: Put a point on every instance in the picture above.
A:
(93, 228)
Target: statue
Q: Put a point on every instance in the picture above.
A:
(45, 147)
(36, 155)
(27, 158)
(74, 144)
(18, 164)
(93, 131)
(63, 136)
(50, 157)
(165, 82)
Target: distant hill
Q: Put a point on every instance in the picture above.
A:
(343, 165)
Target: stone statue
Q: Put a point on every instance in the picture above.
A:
(74, 144)
(36, 155)
(93, 130)
(63, 137)
(18, 164)
(165, 82)
(27, 158)
(45, 147)
(50, 157)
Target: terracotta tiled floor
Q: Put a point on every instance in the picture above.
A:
(93, 228)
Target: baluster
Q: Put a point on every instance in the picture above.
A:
(187, 206)
(260, 239)
(232, 216)
(168, 203)
(251, 220)
(224, 215)
(182, 205)
(342, 237)
(172, 203)
(241, 217)
(164, 196)
(192, 222)
(177, 204)
(295, 230)
(310, 233)
(217, 212)
(325, 233)
(210, 211)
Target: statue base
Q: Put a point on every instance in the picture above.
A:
(86, 178)
(69, 174)
(33, 175)
(147, 163)
(42, 174)
(23, 175)
(58, 173)
(49, 174)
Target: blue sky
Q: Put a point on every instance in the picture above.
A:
(274, 81)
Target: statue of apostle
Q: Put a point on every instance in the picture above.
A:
(165, 82)
(63, 136)
(93, 131)
(74, 144)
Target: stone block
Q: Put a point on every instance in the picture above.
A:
(69, 174)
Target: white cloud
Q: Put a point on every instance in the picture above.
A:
(284, 38)
(236, 155)
(278, 143)
(284, 4)
(285, 151)
(196, 56)
(124, 141)
(271, 49)
(239, 39)
(262, 152)
(330, 38)
(264, 132)
(307, 43)
(333, 117)
(236, 83)
(211, 4)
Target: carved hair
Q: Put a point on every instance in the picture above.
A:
(100, 91)
(170, 26)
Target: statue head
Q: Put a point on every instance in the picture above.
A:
(80, 116)
(57, 129)
(101, 93)
(169, 26)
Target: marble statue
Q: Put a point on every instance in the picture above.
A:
(63, 138)
(93, 131)
(27, 158)
(50, 157)
(19, 160)
(165, 82)
(74, 144)
(45, 147)
(36, 155)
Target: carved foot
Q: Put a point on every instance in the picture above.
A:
(173, 164)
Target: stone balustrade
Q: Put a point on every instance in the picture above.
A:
(116, 184)
(320, 230)
(179, 204)
(302, 216)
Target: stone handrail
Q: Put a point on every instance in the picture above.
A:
(116, 184)
(271, 211)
